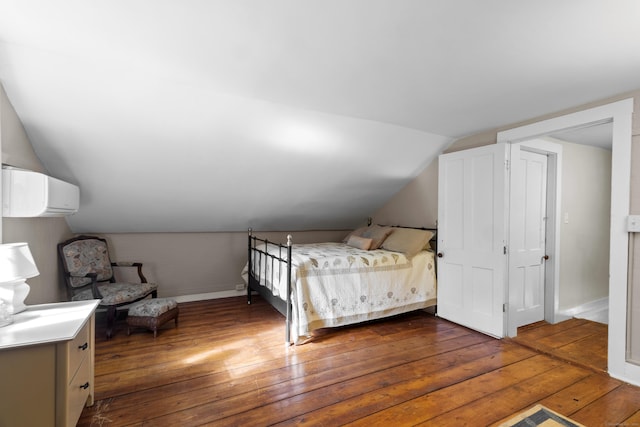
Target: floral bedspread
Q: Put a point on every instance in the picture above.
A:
(334, 284)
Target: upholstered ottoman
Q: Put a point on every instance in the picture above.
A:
(152, 314)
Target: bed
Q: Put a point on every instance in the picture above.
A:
(376, 272)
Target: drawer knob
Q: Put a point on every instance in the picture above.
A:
(85, 386)
(83, 347)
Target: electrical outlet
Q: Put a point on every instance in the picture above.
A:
(239, 287)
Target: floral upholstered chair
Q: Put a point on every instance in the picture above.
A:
(88, 273)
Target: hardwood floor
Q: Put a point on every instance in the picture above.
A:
(226, 364)
(578, 341)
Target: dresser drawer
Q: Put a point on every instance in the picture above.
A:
(77, 393)
(78, 349)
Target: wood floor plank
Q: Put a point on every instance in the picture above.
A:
(255, 405)
(544, 329)
(571, 335)
(576, 340)
(226, 364)
(611, 409)
(446, 399)
(503, 403)
(246, 355)
(581, 394)
(633, 420)
(325, 354)
(589, 351)
(369, 403)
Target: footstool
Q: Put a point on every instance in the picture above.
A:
(152, 314)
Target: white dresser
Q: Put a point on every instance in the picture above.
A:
(47, 364)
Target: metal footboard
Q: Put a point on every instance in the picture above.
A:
(258, 253)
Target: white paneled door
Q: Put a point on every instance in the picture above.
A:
(472, 261)
(527, 235)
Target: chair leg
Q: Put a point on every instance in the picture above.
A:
(111, 320)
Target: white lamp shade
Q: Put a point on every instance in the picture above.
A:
(16, 262)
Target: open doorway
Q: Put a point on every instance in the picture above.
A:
(584, 194)
(579, 192)
(585, 222)
(619, 114)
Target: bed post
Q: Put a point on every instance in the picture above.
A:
(289, 263)
(249, 267)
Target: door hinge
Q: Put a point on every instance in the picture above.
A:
(504, 307)
(506, 164)
(504, 249)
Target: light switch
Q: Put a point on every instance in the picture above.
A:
(633, 223)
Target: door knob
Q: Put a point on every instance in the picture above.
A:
(546, 257)
(440, 254)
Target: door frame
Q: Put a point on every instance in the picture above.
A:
(552, 266)
(620, 113)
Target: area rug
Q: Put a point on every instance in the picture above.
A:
(542, 417)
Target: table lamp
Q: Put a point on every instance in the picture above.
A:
(16, 265)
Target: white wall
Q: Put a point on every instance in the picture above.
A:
(416, 205)
(197, 263)
(585, 224)
(42, 234)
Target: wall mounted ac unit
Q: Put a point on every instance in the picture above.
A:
(29, 194)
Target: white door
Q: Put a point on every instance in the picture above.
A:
(527, 242)
(471, 238)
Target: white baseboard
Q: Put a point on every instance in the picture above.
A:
(597, 311)
(209, 295)
(195, 297)
(597, 304)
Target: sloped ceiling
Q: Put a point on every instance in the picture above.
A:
(183, 115)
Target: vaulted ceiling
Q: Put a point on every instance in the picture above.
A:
(186, 115)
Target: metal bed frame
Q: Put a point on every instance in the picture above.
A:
(258, 248)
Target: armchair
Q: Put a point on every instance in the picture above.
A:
(88, 274)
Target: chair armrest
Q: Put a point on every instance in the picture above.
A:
(131, 264)
(125, 264)
(94, 283)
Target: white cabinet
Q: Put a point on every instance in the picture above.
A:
(47, 365)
